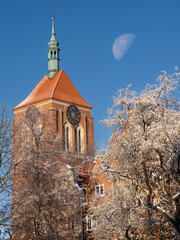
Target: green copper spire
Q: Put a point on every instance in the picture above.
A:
(53, 54)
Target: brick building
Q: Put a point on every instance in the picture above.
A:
(70, 115)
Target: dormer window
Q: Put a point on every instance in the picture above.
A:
(99, 190)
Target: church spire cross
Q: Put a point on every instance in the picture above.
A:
(53, 53)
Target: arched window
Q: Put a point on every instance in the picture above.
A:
(51, 54)
(76, 143)
(63, 132)
(67, 139)
(27, 136)
(54, 54)
(79, 139)
(67, 136)
(57, 120)
(32, 137)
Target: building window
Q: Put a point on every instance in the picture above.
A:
(63, 131)
(74, 225)
(90, 222)
(66, 136)
(57, 120)
(51, 54)
(27, 136)
(75, 131)
(99, 190)
(79, 150)
(67, 139)
(54, 54)
(79, 136)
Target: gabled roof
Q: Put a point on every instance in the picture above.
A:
(58, 87)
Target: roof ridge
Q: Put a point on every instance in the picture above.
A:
(61, 71)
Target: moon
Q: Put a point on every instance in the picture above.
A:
(122, 44)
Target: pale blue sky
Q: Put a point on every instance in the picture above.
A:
(86, 31)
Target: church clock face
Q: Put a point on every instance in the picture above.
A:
(73, 115)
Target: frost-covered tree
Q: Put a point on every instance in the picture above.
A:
(46, 201)
(144, 154)
(5, 170)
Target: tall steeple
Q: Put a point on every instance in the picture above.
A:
(53, 54)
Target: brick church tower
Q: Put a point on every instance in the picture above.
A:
(57, 94)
